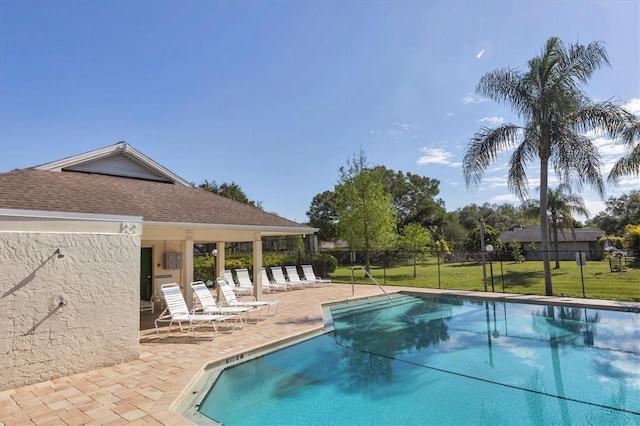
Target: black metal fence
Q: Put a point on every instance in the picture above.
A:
(590, 274)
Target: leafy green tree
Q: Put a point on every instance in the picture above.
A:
(561, 203)
(473, 242)
(516, 251)
(557, 114)
(632, 238)
(322, 215)
(502, 216)
(619, 212)
(229, 190)
(366, 217)
(442, 246)
(414, 198)
(452, 231)
(416, 239)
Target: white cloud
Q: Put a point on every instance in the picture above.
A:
(505, 198)
(398, 127)
(628, 184)
(435, 156)
(472, 98)
(494, 121)
(495, 182)
(633, 105)
(406, 126)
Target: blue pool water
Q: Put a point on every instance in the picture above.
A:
(443, 361)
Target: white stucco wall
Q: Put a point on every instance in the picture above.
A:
(97, 280)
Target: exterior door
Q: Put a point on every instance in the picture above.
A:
(146, 265)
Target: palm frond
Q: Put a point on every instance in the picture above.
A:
(577, 161)
(521, 157)
(505, 86)
(607, 118)
(484, 148)
(629, 165)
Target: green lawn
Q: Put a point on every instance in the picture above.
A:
(523, 278)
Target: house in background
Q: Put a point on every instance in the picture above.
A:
(84, 239)
(581, 239)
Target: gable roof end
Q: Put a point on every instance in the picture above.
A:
(120, 159)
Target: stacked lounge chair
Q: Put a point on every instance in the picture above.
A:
(244, 281)
(208, 304)
(272, 285)
(177, 311)
(279, 278)
(294, 277)
(240, 291)
(230, 300)
(307, 270)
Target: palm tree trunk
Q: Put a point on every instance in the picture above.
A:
(544, 223)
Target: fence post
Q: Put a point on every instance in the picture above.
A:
(581, 259)
(438, 269)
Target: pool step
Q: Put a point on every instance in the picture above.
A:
(372, 304)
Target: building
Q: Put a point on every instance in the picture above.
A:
(84, 239)
(581, 239)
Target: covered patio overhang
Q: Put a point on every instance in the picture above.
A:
(187, 235)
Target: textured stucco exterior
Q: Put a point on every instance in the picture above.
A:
(63, 315)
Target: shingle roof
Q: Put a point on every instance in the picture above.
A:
(532, 234)
(31, 189)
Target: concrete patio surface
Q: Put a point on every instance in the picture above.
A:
(142, 392)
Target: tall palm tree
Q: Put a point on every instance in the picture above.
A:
(556, 114)
(561, 203)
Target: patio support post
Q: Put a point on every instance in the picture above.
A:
(257, 267)
(220, 262)
(220, 259)
(187, 271)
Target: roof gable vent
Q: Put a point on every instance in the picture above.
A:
(117, 165)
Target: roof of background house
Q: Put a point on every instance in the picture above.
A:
(532, 234)
(118, 180)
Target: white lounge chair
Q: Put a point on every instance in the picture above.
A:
(307, 270)
(272, 284)
(230, 299)
(177, 311)
(228, 275)
(294, 278)
(147, 305)
(244, 280)
(208, 304)
(278, 277)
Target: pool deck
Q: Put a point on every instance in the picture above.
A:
(144, 391)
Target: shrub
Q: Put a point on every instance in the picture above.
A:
(203, 268)
(323, 263)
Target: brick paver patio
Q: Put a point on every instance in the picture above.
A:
(143, 391)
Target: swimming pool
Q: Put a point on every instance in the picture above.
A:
(435, 360)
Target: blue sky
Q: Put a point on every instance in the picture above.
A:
(277, 95)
